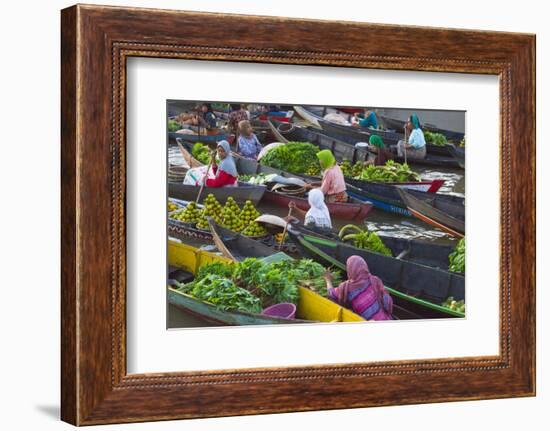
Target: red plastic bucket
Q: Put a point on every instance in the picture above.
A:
(284, 310)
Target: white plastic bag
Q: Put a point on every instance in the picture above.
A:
(195, 176)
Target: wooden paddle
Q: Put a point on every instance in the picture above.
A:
(404, 146)
(286, 228)
(204, 179)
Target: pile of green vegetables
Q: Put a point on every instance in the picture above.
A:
(252, 285)
(391, 172)
(173, 126)
(451, 304)
(457, 259)
(349, 170)
(201, 152)
(294, 157)
(364, 239)
(435, 138)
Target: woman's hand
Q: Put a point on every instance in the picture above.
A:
(292, 205)
(308, 186)
(327, 276)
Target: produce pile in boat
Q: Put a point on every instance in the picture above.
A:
(435, 138)
(201, 152)
(457, 259)
(257, 180)
(364, 239)
(252, 285)
(173, 126)
(172, 206)
(349, 170)
(294, 157)
(391, 172)
(230, 216)
(451, 304)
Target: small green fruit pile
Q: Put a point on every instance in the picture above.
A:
(255, 229)
(231, 215)
(212, 208)
(190, 214)
(247, 216)
(451, 304)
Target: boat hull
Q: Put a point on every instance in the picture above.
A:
(446, 216)
(241, 194)
(416, 288)
(311, 307)
(345, 211)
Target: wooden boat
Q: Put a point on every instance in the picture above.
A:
(308, 116)
(311, 307)
(184, 231)
(459, 153)
(283, 116)
(417, 290)
(352, 135)
(353, 210)
(241, 194)
(236, 246)
(207, 139)
(428, 253)
(393, 123)
(447, 215)
(386, 197)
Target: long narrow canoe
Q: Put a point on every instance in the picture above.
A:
(354, 210)
(428, 253)
(416, 288)
(386, 197)
(310, 308)
(352, 135)
(392, 123)
(447, 215)
(194, 137)
(241, 194)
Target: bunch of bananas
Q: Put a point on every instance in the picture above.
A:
(364, 239)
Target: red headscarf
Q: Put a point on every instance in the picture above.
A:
(358, 276)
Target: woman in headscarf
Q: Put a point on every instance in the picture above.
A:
(376, 145)
(367, 120)
(333, 185)
(226, 171)
(248, 144)
(318, 215)
(363, 293)
(415, 146)
(207, 117)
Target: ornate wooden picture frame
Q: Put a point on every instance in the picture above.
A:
(96, 42)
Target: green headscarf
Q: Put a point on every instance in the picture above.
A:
(415, 121)
(377, 141)
(326, 159)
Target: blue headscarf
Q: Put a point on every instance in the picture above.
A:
(228, 164)
(415, 121)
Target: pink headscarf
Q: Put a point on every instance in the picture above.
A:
(358, 276)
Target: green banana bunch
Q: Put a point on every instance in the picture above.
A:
(364, 239)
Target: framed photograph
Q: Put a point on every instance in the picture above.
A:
(259, 216)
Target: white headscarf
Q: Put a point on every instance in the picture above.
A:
(318, 211)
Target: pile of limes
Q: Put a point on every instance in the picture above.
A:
(172, 206)
(212, 208)
(190, 214)
(231, 216)
(255, 229)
